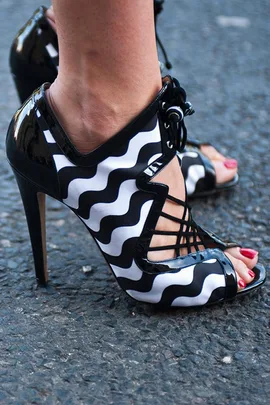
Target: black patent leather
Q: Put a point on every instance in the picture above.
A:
(209, 181)
(29, 61)
(195, 258)
(27, 150)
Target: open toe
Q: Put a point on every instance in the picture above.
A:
(241, 254)
(244, 274)
(205, 177)
(224, 174)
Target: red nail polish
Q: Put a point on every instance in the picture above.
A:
(251, 273)
(230, 163)
(242, 284)
(249, 253)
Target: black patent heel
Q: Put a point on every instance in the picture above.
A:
(34, 206)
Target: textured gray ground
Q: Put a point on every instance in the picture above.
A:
(82, 341)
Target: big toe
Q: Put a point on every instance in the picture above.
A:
(225, 171)
(244, 274)
(211, 152)
(248, 256)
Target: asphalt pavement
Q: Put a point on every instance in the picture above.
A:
(82, 340)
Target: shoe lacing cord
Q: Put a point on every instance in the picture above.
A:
(188, 231)
(173, 114)
(158, 7)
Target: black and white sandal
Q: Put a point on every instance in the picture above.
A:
(199, 173)
(112, 193)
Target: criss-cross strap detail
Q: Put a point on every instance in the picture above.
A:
(188, 236)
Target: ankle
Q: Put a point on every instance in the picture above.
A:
(91, 116)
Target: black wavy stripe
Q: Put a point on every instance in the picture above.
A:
(188, 161)
(67, 174)
(131, 218)
(126, 257)
(217, 295)
(115, 179)
(54, 149)
(201, 271)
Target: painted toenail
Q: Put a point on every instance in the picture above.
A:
(251, 273)
(230, 163)
(249, 253)
(242, 284)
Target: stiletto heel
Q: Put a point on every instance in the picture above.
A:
(115, 192)
(34, 206)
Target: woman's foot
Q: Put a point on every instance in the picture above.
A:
(243, 259)
(225, 168)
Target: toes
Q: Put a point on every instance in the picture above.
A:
(248, 256)
(225, 168)
(243, 273)
(211, 152)
(223, 173)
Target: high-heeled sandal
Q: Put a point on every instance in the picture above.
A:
(112, 192)
(199, 173)
(34, 60)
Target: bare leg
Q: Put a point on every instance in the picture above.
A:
(108, 73)
(108, 67)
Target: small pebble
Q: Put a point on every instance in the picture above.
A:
(60, 222)
(87, 269)
(227, 360)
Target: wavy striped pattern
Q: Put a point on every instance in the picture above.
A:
(121, 234)
(100, 180)
(193, 170)
(190, 286)
(106, 197)
(118, 207)
(107, 200)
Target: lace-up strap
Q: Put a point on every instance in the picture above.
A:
(173, 112)
(158, 7)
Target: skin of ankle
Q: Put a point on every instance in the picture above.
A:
(91, 114)
(106, 76)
